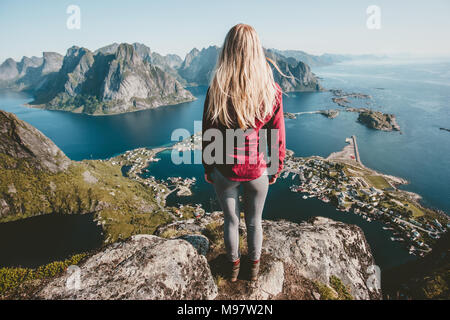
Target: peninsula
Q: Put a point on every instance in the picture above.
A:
(343, 180)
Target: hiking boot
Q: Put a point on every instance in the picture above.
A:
(254, 269)
(235, 266)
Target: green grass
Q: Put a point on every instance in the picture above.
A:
(220, 280)
(124, 206)
(13, 278)
(340, 288)
(214, 232)
(326, 293)
(378, 182)
(416, 212)
(336, 291)
(170, 233)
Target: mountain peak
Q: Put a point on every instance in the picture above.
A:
(76, 51)
(114, 80)
(9, 61)
(126, 52)
(21, 141)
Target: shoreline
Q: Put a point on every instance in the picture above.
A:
(353, 187)
(42, 107)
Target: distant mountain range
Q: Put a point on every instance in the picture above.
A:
(128, 77)
(297, 74)
(325, 59)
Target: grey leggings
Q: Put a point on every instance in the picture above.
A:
(254, 196)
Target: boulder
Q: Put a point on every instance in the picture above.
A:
(323, 248)
(142, 267)
(296, 259)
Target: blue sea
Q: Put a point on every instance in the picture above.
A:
(417, 92)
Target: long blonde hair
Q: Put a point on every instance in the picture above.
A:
(243, 78)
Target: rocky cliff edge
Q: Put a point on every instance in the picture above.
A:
(320, 259)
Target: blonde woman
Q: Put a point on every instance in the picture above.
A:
(244, 98)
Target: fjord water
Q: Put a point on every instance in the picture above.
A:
(417, 93)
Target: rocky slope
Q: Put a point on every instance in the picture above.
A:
(37, 178)
(109, 83)
(143, 267)
(322, 259)
(24, 143)
(298, 260)
(198, 65)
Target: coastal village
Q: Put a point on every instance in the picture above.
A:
(353, 188)
(134, 164)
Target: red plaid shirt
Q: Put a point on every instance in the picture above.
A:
(248, 162)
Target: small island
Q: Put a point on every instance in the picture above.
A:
(370, 118)
(330, 113)
(378, 120)
(341, 98)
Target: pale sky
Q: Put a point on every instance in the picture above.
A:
(28, 27)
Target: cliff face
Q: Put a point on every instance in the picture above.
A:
(198, 66)
(298, 262)
(29, 73)
(8, 70)
(110, 83)
(168, 63)
(26, 63)
(52, 62)
(299, 75)
(23, 142)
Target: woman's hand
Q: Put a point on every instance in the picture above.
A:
(272, 179)
(208, 178)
